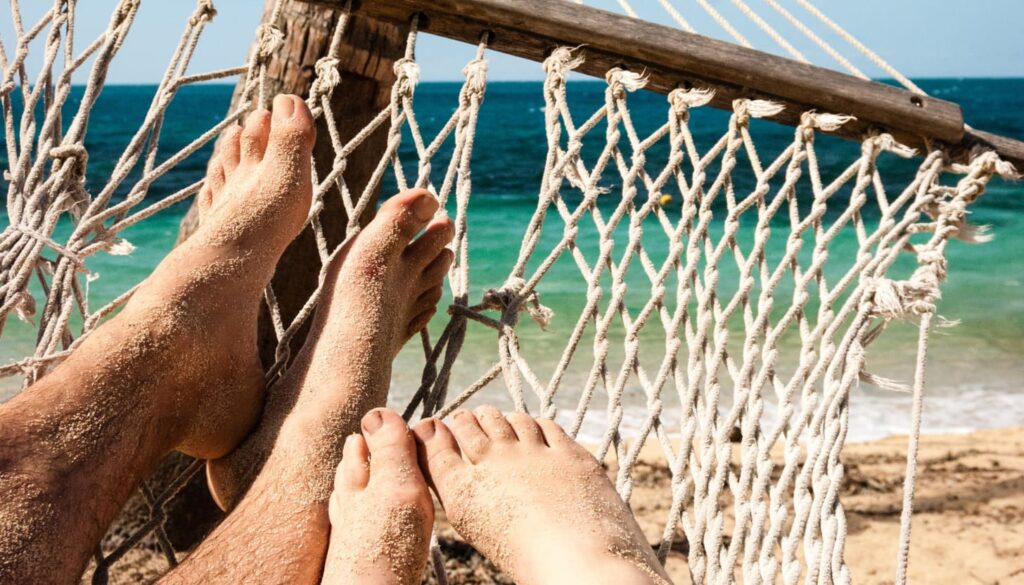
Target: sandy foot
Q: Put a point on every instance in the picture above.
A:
(533, 501)
(194, 319)
(379, 292)
(381, 511)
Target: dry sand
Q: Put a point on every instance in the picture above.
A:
(969, 525)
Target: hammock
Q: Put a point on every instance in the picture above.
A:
(748, 244)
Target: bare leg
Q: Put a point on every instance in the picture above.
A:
(533, 501)
(379, 292)
(176, 369)
(381, 511)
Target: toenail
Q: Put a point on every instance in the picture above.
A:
(425, 207)
(284, 108)
(426, 430)
(372, 421)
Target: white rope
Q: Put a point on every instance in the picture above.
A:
(864, 50)
(731, 255)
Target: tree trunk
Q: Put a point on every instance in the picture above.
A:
(367, 58)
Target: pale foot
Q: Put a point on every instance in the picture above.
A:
(378, 293)
(533, 501)
(381, 511)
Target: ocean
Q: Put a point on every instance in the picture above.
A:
(975, 370)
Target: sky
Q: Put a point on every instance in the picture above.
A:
(921, 38)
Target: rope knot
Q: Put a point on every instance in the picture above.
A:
(682, 100)
(620, 81)
(510, 298)
(824, 121)
(887, 143)
(476, 76)
(76, 151)
(407, 73)
(744, 110)
(26, 306)
(328, 77)
(205, 12)
(987, 162)
(561, 61)
(269, 39)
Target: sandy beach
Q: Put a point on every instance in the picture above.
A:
(967, 527)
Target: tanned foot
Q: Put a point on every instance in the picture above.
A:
(379, 292)
(177, 368)
(533, 501)
(381, 511)
(194, 318)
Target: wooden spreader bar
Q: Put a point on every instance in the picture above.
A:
(674, 58)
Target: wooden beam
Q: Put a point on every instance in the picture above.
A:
(673, 58)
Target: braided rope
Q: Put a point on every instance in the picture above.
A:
(718, 268)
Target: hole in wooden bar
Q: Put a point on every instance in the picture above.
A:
(421, 19)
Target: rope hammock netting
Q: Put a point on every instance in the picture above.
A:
(780, 484)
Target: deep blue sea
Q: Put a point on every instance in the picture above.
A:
(976, 369)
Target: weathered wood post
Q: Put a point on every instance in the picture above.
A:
(366, 64)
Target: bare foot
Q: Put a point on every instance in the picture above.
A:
(198, 309)
(177, 368)
(381, 511)
(533, 501)
(379, 292)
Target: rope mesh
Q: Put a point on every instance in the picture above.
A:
(752, 243)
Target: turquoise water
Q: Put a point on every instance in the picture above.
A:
(975, 369)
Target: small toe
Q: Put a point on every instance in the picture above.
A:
(204, 199)
(420, 322)
(526, 428)
(354, 470)
(229, 150)
(392, 449)
(554, 434)
(215, 179)
(427, 300)
(255, 136)
(435, 272)
(427, 247)
(439, 454)
(473, 441)
(494, 424)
